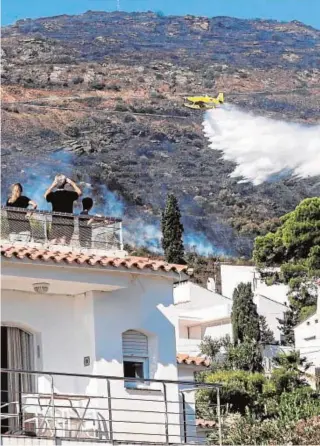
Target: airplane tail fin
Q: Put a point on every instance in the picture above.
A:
(220, 98)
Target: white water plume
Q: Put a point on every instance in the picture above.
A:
(263, 148)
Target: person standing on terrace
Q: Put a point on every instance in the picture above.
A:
(62, 201)
(18, 221)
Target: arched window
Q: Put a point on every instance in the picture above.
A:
(135, 354)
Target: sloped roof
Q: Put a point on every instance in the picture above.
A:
(192, 360)
(205, 423)
(22, 252)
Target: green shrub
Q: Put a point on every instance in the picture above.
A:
(97, 85)
(77, 80)
(121, 107)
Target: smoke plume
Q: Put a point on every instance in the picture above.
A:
(139, 230)
(263, 149)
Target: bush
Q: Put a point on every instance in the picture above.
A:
(113, 87)
(10, 108)
(121, 107)
(300, 404)
(77, 80)
(155, 94)
(307, 432)
(240, 391)
(248, 430)
(97, 85)
(73, 131)
(147, 110)
(208, 84)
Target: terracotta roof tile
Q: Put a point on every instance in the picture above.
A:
(192, 360)
(24, 252)
(205, 423)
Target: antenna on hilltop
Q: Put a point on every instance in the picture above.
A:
(118, 3)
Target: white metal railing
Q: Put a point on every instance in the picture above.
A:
(42, 228)
(102, 409)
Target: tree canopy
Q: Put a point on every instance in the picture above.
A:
(297, 240)
(295, 246)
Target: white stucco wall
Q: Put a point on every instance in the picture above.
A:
(232, 275)
(62, 328)
(307, 340)
(189, 295)
(218, 330)
(277, 292)
(69, 328)
(271, 310)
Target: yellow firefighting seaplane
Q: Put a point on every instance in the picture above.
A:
(204, 102)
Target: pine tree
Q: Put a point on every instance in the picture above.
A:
(266, 334)
(287, 324)
(172, 230)
(295, 245)
(244, 317)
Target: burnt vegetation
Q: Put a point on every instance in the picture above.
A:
(143, 64)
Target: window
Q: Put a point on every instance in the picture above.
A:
(135, 356)
(316, 321)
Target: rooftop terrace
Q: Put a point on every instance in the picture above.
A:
(63, 232)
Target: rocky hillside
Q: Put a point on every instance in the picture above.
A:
(107, 89)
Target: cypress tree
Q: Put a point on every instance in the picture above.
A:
(266, 334)
(172, 230)
(287, 324)
(244, 316)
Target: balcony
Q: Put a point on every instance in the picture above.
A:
(189, 346)
(63, 232)
(42, 404)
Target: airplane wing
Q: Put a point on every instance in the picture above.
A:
(206, 99)
(199, 106)
(198, 99)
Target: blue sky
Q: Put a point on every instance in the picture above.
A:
(306, 11)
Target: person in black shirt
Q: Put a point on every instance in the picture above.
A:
(85, 221)
(18, 221)
(62, 201)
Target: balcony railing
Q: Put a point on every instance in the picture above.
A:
(103, 408)
(189, 346)
(52, 229)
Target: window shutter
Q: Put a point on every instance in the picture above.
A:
(135, 344)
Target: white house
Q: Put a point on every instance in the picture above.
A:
(79, 313)
(307, 341)
(82, 325)
(233, 275)
(194, 305)
(205, 313)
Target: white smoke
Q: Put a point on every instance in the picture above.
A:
(263, 148)
(198, 242)
(137, 230)
(139, 233)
